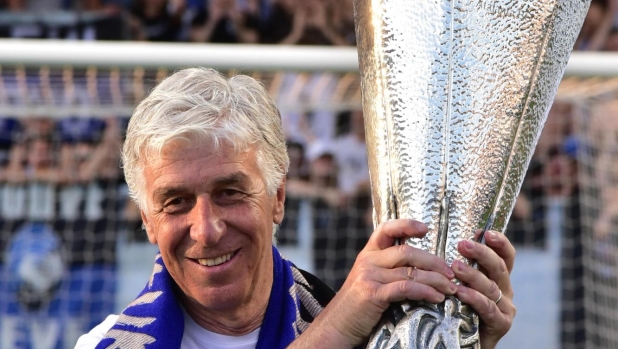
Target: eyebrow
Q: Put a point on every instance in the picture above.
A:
(163, 193)
(233, 178)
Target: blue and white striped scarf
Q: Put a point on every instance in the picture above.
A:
(154, 320)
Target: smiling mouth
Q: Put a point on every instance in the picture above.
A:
(212, 262)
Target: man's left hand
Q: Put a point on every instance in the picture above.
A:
(488, 290)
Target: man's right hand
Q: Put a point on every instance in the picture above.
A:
(382, 274)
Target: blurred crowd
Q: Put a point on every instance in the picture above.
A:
(600, 29)
(328, 189)
(303, 22)
(64, 174)
(63, 205)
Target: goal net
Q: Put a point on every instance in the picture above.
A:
(71, 246)
(590, 221)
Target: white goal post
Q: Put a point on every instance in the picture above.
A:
(225, 56)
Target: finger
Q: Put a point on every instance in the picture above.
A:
(438, 281)
(502, 246)
(406, 255)
(498, 316)
(386, 233)
(402, 290)
(488, 259)
(478, 281)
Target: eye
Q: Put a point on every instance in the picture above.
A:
(228, 196)
(177, 204)
(175, 201)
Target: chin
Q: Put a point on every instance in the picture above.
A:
(225, 297)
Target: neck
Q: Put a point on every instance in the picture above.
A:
(226, 325)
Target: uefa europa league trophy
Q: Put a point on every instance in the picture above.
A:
(455, 94)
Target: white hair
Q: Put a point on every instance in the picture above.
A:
(201, 105)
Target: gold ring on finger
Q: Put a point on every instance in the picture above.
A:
(411, 272)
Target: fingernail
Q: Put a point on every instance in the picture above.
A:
(461, 289)
(453, 288)
(461, 267)
(467, 245)
(456, 266)
(421, 227)
(492, 236)
(450, 273)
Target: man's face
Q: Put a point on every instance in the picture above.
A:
(212, 218)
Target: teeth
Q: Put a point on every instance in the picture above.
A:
(215, 261)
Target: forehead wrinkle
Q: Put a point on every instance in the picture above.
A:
(217, 181)
(166, 165)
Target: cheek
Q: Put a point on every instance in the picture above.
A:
(252, 220)
(169, 233)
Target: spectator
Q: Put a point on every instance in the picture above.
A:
(279, 22)
(39, 127)
(88, 215)
(342, 17)
(10, 130)
(321, 184)
(351, 155)
(288, 230)
(105, 23)
(340, 228)
(32, 176)
(526, 226)
(76, 130)
(356, 219)
(558, 180)
(39, 19)
(110, 7)
(25, 29)
(221, 21)
(156, 20)
(612, 40)
(597, 26)
(299, 22)
(298, 168)
(326, 207)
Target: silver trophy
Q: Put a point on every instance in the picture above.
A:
(455, 94)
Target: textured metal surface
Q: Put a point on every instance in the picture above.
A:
(455, 94)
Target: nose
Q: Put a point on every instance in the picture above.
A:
(207, 225)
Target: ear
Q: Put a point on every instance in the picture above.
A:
(152, 237)
(278, 205)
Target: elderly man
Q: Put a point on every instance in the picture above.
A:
(205, 160)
